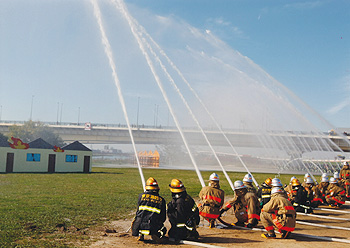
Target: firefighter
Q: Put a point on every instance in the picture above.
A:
(213, 198)
(345, 178)
(301, 200)
(313, 192)
(248, 182)
(279, 213)
(336, 176)
(245, 206)
(276, 182)
(306, 176)
(336, 196)
(150, 214)
(323, 187)
(183, 213)
(288, 188)
(264, 192)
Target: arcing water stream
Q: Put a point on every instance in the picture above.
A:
(233, 92)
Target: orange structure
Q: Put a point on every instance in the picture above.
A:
(149, 159)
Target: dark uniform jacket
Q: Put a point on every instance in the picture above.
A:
(264, 194)
(183, 216)
(301, 199)
(150, 214)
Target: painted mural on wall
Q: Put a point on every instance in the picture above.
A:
(40, 156)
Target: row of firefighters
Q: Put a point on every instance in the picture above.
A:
(149, 159)
(272, 204)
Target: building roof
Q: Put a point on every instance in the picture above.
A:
(76, 145)
(4, 142)
(40, 143)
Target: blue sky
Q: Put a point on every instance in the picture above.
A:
(51, 53)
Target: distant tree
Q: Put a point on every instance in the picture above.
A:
(32, 130)
(3, 136)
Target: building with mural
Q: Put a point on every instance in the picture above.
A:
(39, 156)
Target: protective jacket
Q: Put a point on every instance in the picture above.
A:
(250, 187)
(213, 198)
(317, 197)
(183, 216)
(245, 207)
(336, 195)
(345, 178)
(264, 194)
(278, 212)
(289, 190)
(323, 190)
(150, 214)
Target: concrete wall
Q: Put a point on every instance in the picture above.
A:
(22, 165)
(63, 166)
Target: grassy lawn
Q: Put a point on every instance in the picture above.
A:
(56, 210)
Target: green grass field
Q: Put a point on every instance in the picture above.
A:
(56, 210)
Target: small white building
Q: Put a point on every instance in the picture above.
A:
(40, 156)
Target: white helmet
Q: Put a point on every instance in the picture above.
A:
(309, 180)
(248, 178)
(333, 180)
(291, 179)
(336, 175)
(325, 179)
(239, 185)
(324, 175)
(276, 190)
(345, 163)
(276, 182)
(306, 176)
(214, 177)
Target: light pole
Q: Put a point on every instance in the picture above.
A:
(138, 108)
(61, 114)
(0, 112)
(58, 110)
(31, 108)
(78, 115)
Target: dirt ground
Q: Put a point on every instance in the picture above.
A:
(114, 234)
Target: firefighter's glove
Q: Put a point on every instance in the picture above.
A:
(249, 225)
(189, 223)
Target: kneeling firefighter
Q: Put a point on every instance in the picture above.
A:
(183, 213)
(150, 214)
(279, 213)
(245, 206)
(213, 198)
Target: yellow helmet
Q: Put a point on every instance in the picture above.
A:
(176, 186)
(295, 182)
(151, 184)
(268, 181)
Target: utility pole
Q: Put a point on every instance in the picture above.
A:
(0, 112)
